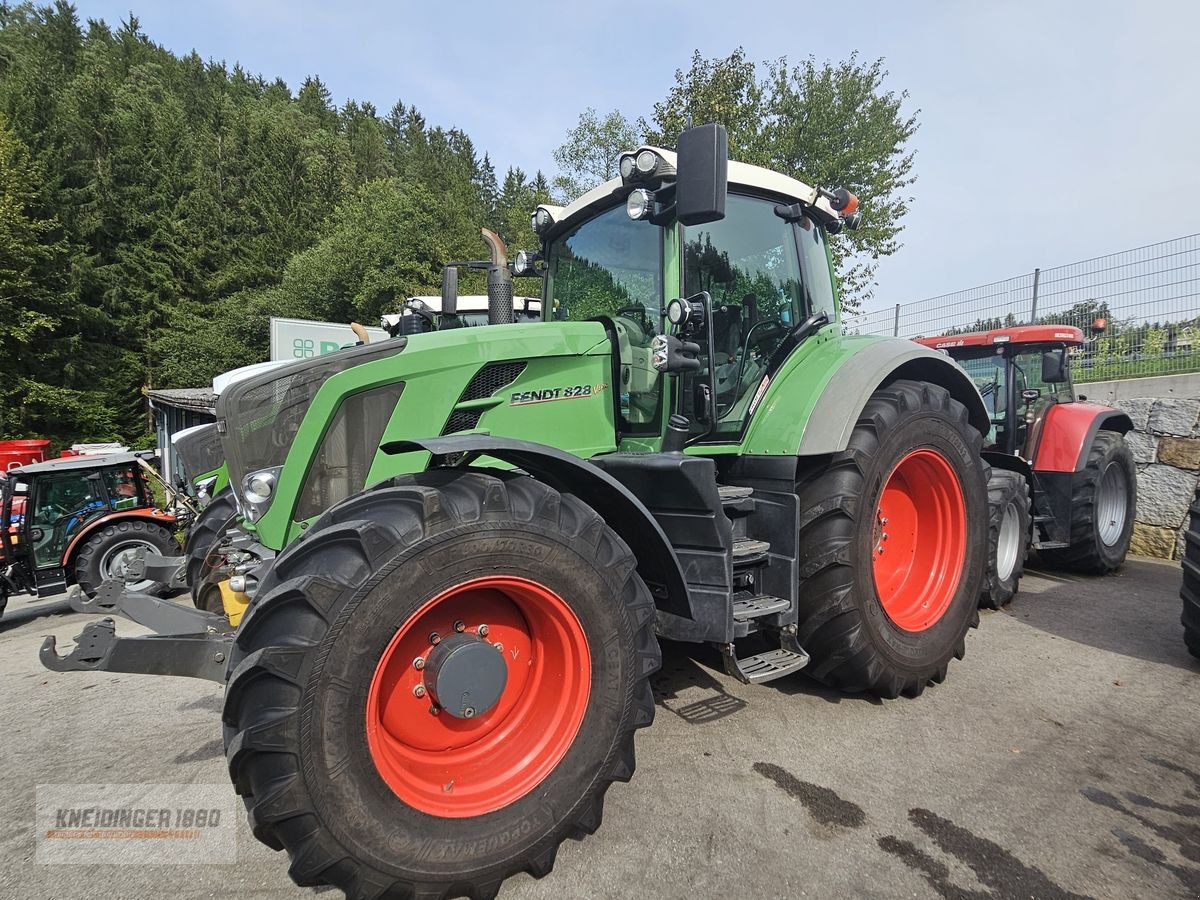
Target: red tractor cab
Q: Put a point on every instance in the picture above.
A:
(1063, 479)
(79, 520)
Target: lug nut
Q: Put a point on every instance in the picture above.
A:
(482, 631)
(434, 638)
(434, 710)
(460, 626)
(419, 663)
(499, 647)
(419, 691)
(469, 712)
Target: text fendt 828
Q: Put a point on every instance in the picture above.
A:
(464, 545)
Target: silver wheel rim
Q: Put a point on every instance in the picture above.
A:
(1112, 503)
(1008, 542)
(116, 560)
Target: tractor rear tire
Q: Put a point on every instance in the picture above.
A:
(102, 555)
(1009, 526)
(1102, 509)
(910, 483)
(1190, 593)
(386, 786)
(202, 540)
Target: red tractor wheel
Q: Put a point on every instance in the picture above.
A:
(892, 541)
(437, 684)
(1102, 507)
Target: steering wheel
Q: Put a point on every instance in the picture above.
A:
(776, 327)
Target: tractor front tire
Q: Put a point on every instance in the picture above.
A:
(105, 553)
(437, 684)
(1102, 509)
(1009, 526)
(893, 540)
(1190, 593)
(203, 539)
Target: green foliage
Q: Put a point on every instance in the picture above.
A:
(156, 211)
(591, 152)
(827, 124)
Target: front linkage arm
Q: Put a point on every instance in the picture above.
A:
(189, 642)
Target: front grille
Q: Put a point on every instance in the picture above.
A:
(487, 381)
(462, 420)
(490, 379)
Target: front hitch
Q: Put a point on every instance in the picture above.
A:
(189, 642)
(98, 649)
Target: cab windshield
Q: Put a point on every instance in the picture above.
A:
(610, 269)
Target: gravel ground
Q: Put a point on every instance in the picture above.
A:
(1059, 759)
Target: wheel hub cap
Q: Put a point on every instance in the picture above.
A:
(465, 676)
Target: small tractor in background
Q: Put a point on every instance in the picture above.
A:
(1063, 480)
(463, 545)
(82, 520)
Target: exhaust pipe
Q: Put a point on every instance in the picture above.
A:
(499, 281)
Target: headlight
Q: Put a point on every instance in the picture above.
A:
(677, 312)
(260, 486)
(525, 262)
(257, 490)
(639, 204)
(541, 219)
(658, 352)
(204, 489)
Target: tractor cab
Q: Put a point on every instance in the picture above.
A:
(52, 510)
(737, 274)
(1020, 372)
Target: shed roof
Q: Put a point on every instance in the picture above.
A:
(202, 399)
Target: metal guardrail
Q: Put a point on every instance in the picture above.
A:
(1148, 298)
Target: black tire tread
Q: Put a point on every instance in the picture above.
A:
(292, 611)
(1190, 592)
(1081, 555)
(829, 623)
(1004, 486)
(209, 527)
(124, 528)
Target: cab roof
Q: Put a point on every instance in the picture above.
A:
(68, 463)
(1017, 334)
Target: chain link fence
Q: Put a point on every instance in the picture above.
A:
(1139, 310)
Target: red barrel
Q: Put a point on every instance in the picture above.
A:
(22, 453)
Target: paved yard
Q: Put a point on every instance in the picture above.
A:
(1060, 758)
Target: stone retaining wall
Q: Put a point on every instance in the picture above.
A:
(1166, 448)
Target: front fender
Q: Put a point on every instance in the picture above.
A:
(165, 520)
(815, 399)
(616, 504)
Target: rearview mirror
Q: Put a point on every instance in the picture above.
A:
(449, 290)
(1054, 367)
(702, 174)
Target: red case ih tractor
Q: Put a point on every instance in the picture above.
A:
(79, 520)
(1063, 480)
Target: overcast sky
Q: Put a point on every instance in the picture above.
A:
(1050, 131)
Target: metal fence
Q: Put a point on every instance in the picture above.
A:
(1147, 300)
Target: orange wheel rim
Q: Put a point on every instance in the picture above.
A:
(455, 731)
(919, 540)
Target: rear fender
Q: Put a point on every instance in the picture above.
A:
(1067, 434)
(869, 365)
(616, 504)
(161, 519)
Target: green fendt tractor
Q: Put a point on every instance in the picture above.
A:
(464, 545)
